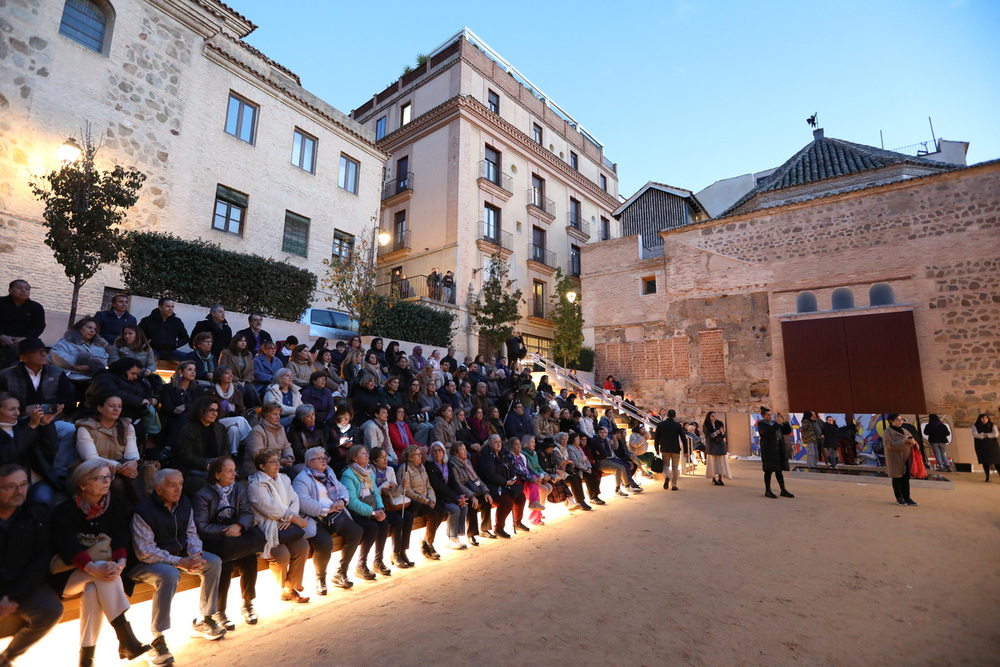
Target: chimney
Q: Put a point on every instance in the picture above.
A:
(817, 134)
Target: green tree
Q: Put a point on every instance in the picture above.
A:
(351, 281)
(84, 210)
(567, 340)
(496, 312)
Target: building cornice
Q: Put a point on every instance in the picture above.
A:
(219, 55)
(474, 108)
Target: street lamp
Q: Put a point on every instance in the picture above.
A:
(383, 238)
(69, 152)
(571, 297)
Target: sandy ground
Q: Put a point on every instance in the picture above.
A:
(705, 576)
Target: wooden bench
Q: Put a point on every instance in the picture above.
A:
(144, 592)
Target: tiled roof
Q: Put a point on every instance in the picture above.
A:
(826, 158)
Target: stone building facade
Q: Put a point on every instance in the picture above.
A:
(710, 337)
(158, 90)
(483, 163)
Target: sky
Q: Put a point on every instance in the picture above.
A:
(680, 91)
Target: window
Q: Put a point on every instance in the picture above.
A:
(380, 128)
(605, 229)
(649, 285)
(536, 133)
(575, 214)
(349, 174)
(230, 210)
(604, 182)
(399, 230)
(574, 160)
(806, 302)
(574, 260)
(538, 299)
(493, 102)
(343, 245)
(538, 244)
(492, 165)
(881, 294)
(491, 223)
(84, 23)
(538, 191)
(304, 151)
(842, 299)
(404, 114)
(241, 118)
(296, 237)
(403, 174)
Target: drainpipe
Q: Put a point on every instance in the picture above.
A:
(470, 299)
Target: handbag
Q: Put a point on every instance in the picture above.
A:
(559, 493)
(657, 464)
(98, 548)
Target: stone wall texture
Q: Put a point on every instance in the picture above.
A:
(729, 283)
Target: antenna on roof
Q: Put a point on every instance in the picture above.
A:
(812, 120)
(933, 138)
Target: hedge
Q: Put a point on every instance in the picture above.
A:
(585, 362)
(409, 321)
(203, 273)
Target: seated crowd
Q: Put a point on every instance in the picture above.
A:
(257, 449)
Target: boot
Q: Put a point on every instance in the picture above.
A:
(129, 648)
(87, 656)
(321, 583)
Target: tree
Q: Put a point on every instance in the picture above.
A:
(567, 340)
(351, 280)
(84, 211)
(496, 312)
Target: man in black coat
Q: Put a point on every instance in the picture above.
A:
(215, 323)
(165, 331)
(28, 607)
(667, 443)
(255, 335)
(516, 349)
(20, 318)
(773, 450)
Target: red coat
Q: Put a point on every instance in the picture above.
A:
(400, 440)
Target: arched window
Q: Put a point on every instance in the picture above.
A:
(843, 299)
(88, 23)
(881, 295)
(805, 302)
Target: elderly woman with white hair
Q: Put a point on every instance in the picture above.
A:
(324, 501)
(90, 533)
(285, 393)
(449, 494)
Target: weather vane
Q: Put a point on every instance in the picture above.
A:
(812, 120)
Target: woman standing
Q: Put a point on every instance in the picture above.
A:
(984, 432)
(400, 521)
(716, 449)
(276, 510)
(812, 434)
(938, 434)
(368, 511)
(898, 458)
(831, 441)
(773, 450)
(225, 522)
(90, 533)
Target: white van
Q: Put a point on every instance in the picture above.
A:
(331, 324)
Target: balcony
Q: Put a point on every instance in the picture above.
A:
(492, 240)
(417, 287)
(397, 189)
(541, 205)
(541, 260)
(577, 227)
(397, 244)
(493, 180)
(538, 308)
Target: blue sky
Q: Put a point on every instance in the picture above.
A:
(680, 91)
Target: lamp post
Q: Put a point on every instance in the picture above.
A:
(571, 296)
(69, 152)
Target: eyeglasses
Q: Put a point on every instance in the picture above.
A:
(320, 458)
(103, 478)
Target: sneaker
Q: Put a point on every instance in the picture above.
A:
(900, 501)
(597, 501)
(456, 544)
(910, 502)
(487, 534)
(223, 621)
(520, 526)
(249, 615)
(620, 493)
(574, 508)
(207, 628)
(341, 581)
(159, 654)
(635, 489)
(536, 506)
(786, 494)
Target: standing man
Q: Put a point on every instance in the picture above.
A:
(433, 280)
(20, 318)
(515, 348)
(254, 333)
(165, 331)
(112, 321)
(215, 323)
(28, 607)
(773, 450)
(166, 542)
(452, 361)
(667, 443)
